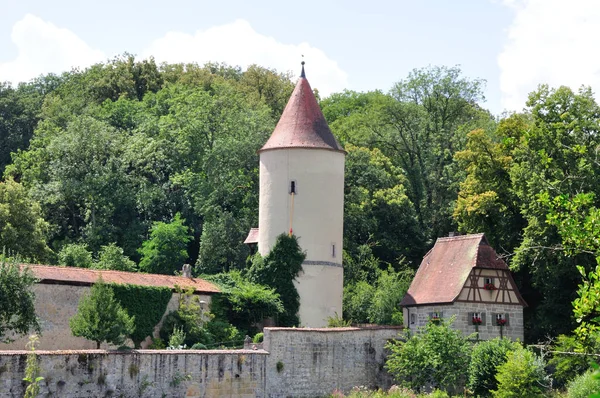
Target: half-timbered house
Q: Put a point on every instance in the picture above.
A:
(463, 276)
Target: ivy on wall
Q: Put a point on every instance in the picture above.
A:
(146, 303)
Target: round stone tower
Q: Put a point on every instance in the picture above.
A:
(302, 190)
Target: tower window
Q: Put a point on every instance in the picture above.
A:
(293, 188)
(333, 250)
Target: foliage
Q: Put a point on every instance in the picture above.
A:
(177, 339)
(75, 255)
(145, 304)
(23, 231)
(377, 302)
(278, 271)
(485, 359)
(258, 338)
(111, 257)
(101, 318)
(437, 356)
(521, 375)
(337, 322)
(17, 299)
(567, 367)
(32, 370)
(166, 250)
(583, 385)
(243, 303)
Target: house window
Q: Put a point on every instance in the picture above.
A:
(488, 284)
(502, 319)
(293, 187)
(413, 319)
(435, 316)
(333, 250)
(477, 318)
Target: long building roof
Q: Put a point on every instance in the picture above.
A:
(87, 277)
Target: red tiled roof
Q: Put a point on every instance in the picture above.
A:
(302, 124)
(252, 236)
(85, 276)
(445, 269)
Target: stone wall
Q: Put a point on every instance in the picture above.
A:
(314, 362)
(144, 373)
(55, 304)
(487, 330)
(295, 363)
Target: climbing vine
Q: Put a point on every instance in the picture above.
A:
(147, 303)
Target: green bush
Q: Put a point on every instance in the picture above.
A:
(438, 356)
(583, 386)
(485, 358)
(75, 255)
(258, 338)
(567, 367)
(522, 375)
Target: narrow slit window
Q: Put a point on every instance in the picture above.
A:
(293, 187)
(333, 250)
(413, 319)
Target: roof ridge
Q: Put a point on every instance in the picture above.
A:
(460, 237)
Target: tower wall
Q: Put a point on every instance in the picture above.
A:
(316, 219)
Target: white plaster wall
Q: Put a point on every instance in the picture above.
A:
(486, 331)
(317, 221)
(320, 294)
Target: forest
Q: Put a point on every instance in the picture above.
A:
(136, 166)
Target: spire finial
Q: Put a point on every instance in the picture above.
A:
(302, 74)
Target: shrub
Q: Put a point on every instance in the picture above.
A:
(583, 386)
(485, 358)
(437, 356)
(522, 375)
(567, 367)
(258, 338)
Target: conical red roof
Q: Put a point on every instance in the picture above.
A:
(302, 124)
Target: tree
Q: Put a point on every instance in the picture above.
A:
(75, 255)
(438, 356)
(111, 257)
(23, 231)
(166, 250)
(485, 359)
(17, 300)
(100, 317)
(278, 270)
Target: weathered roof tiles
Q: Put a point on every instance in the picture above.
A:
(85, 276)
(302, 124)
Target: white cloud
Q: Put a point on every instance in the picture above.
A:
(549, 41)
(43, 48)
(238, 43)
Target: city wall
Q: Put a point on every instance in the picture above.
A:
(294, 363)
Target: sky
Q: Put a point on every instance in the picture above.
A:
(514, 45)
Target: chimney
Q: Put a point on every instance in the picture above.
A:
(186, 271)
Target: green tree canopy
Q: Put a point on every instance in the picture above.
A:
(166, 250)
(17, 301)
(23, 231)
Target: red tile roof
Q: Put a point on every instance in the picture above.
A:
(446, 267)
(252, 236)
(302, 124)
(85, 276)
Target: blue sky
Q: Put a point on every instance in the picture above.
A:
(360, 45)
